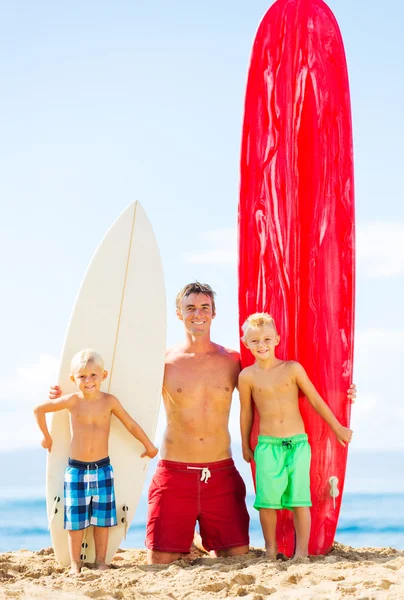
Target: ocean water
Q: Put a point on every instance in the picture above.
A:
(372, 512)
(365, 520)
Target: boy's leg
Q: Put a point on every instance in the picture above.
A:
(268, 519)
(75, 539)
(101, 545)
(302, 522)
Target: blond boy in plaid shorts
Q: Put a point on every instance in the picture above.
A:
(89, 478)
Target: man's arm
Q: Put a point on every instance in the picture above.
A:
(118, 410)
(246, 415)
(47, 407)
(343, 434)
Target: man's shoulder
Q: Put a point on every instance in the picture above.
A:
(177, 352)
(174, 352)
(232, 355)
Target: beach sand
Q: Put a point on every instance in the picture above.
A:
(364, 573)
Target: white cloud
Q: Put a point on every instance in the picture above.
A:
(380, 249)
(220, 247)
(19, 394)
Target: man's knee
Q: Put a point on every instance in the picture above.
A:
(236, 551)
(155, 557)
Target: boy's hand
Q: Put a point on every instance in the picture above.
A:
(343, 435)
(351, 393)
(54, 392)
(47, 443)
(151, 452)
(248, 454)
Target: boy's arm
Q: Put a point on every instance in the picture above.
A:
(40, 412)
(343, 434)
(246, 415)
(118, 410)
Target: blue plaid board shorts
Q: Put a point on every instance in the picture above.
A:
(89, 494)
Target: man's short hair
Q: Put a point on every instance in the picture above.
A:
(196, 288)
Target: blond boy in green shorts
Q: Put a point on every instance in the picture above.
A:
(283, 453)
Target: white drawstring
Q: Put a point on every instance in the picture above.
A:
(87, 475)
(205, 472)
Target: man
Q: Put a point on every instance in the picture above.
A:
(196, 478)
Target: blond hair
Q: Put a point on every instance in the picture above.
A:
(196, 288)
(256, 321)
(82, 358)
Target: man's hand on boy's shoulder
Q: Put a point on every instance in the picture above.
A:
(54, 392)
(248, 454)
(343, 435)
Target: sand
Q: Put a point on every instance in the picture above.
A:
(364, 573)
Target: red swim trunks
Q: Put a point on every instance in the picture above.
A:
(182, 493)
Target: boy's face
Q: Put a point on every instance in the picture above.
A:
(196, 313)
(89, 378)
(262, 342)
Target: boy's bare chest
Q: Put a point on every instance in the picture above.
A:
(97, 414)
(272, 384)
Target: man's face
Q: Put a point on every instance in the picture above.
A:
(196, 313)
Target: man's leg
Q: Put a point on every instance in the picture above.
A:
(172, 513)
(268, 518)
(237, 551)
(101, 545)
(302, 521)
(224, 519)
(75, 539)
(155, 557)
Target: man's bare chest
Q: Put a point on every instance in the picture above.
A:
(190, 378)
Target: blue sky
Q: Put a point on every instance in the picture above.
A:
(105, 103)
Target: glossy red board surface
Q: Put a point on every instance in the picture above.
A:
(296, 225)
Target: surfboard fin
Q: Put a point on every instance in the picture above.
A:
(334, 491)
(54, 510)
(84, 545)
(124, 519)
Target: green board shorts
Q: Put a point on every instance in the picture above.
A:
(283, 472)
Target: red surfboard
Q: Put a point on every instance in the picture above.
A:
(296, 226)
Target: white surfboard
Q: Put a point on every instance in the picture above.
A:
(120, 311)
